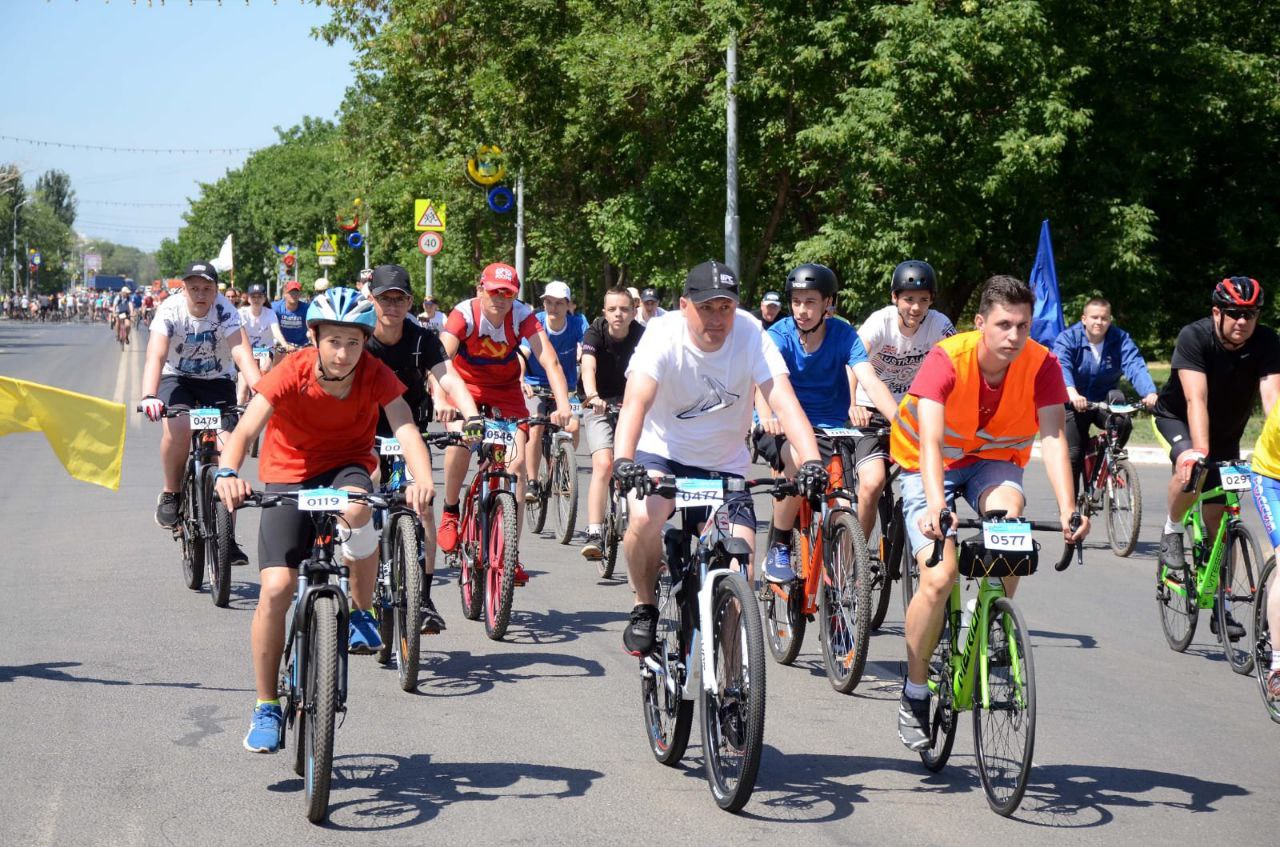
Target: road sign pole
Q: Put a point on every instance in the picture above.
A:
(520, 229)
(430, 277)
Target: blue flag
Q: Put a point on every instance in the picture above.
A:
(1046, 319)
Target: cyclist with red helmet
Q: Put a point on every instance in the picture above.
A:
(1220, 363)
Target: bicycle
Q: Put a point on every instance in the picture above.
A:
(488, 542)
(1262, 642)
(616, 516)
(708, 642)
(205, 527)
(557, 476)
(834, 578)
(885, 544)
(401, 572)
(123, 325)
(993, 674)
(264, 356)
(1222, 575)
(313, 672)
(1110, 483)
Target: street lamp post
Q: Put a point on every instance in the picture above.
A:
(15, 244)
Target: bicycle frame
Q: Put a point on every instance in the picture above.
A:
(491, 476)
(969, 666)
(1209, 572)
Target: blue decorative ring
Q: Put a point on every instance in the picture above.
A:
(354, 240)
(501, 199)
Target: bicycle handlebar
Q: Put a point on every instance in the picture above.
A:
(944, 518)
(665, 486)
(269, 499)
(183, 411)
(1197, 474)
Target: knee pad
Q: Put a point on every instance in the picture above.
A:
(358, 543)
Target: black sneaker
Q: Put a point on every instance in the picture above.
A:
(1235, 631)
(913, 722)
(1171, 553)
(167, 510)
(238, 557)
(432, 620)
(594, 548)
(638, 637)
(533, 491)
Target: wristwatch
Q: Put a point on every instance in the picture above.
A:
(223, 473)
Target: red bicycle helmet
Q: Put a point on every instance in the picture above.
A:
(1240, 292)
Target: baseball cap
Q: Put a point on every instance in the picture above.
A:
(559, 290)
(429, 299)
(256, 288)
(635, 294)
(389, 278)
(204, 270)
(500, 277)
(710, 280)
(771, 297)
(293, 285)
(648, 294)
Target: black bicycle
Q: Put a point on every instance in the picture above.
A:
(557, 481)
(615, 518)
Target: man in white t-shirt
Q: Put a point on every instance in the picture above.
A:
(686, 412)
(897, 338)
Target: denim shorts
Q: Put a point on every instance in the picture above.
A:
(971, 481)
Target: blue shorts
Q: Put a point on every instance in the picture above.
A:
(738, 505)
(972, 481)
(1266, 494)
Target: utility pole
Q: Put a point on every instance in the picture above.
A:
(731, 157)
(15, 244)
(520, 229)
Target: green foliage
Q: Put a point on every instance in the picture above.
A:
(54, 188)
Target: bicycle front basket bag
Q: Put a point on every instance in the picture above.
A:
(977, 561)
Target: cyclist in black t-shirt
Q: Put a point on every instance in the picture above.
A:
(417, 357)
(1219, 364)
(607, 346)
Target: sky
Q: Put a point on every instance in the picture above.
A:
(177, 76)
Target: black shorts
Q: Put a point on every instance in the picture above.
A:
(285, 535)
(191, 393)
(738, 505)
(770, 448)
(1178, 435)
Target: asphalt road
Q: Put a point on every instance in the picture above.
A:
(125, 697)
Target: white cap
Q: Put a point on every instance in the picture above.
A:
(321, 284)
(634, 292)
(559, 290)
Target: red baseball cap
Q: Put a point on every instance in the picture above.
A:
(293, 285)
(500, 277)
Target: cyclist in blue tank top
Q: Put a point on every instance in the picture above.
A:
(565, 329)
(823, 354)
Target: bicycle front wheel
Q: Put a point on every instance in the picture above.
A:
(1004, 708)
(407, 575)
(733, 710)
(564, 490)
(1123, 508)
(193, 549)
(1236, 589)
(501, 556)
(845, 604)
(1262, 636)
(884, 545)
(667, 715)
(321, 705)
(219, 536)
(1179, 609)
(612, 540)
(536, 511)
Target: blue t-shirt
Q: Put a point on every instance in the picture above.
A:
(819, 378)
(137, 301)
(566, 346)
(293, 325)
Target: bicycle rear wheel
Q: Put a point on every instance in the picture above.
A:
(406, 576)
(733, 710)
(564, 490)
(1123, 508)
(192, 544)
(219, 536)
(470, 571)
(1262, 636)
(845, 604)
(1004, 708)
(536, 512)
(883, 545)
(1236, 589)
(322, 704)
(667, 715)
(1178, 606)
(910, 570)
(942, 713)
(501, 556)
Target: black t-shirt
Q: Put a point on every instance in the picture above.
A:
(412, 357)
(612, 356)
(1233, 377)
(765, 322)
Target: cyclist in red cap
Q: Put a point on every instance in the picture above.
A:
(483, 335)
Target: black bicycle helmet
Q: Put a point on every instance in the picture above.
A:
(914, 275)
(1239, 292)
(812, 277)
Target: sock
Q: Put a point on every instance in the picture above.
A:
(426, 587)
(1275, 660)
(593, 529)
(275, 703)
(779, 536)
(916, 691)
(453, 508)
(1171, 527)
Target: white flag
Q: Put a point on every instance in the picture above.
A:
(224, 262)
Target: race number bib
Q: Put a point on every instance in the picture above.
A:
(1235, 477)
(263, 355)
(205, 418)
(390, 447)
(322, 500)
(575, 406)
(839, 431)
(698, 493)
(499, 432)
(1013, 536)
(1122, 408)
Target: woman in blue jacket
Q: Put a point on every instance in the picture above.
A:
(1093, 354)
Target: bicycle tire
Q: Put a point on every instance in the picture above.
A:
(218, 548)
(783, 609)
(943, 719)
(888, 522)
(668, 716)
(470, 572)
(501, 557)
(564, 488)
(1262, 636)
(733, 715)
(322, 704)
(192, 544)
(536, 512)
(845, 603)
(610, 539)
(407, 577)
(1237, 588)
(1123, 485)
(910, 570)
(1178, 606)
(1010, 705)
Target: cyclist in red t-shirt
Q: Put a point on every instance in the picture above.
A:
(483, 335)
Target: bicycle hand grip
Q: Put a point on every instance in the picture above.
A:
(1193, 482)
(1077, 548)
(944, 523)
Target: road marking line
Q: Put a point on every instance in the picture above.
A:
(122, 376)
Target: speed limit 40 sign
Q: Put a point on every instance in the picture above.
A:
(430, 243)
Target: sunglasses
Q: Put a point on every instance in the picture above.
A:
(1241, 314)
(395, 302)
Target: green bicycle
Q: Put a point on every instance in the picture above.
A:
(1222, 576)
(989, 668)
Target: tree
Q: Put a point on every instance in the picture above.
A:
(54, 187)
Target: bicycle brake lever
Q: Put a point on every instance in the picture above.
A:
(1077, 548)
(944, 523)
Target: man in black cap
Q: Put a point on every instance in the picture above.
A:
(687, 411)
(416, 356)
(649, 308)
(770, 311)
(431, 317)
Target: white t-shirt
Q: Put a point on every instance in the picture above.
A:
(895, 356)
(436, 321)
(702, 411)
(198, 346)
(644, 321)
(259, 328)
(1097, 351)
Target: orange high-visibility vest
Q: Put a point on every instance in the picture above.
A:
(1006, 437)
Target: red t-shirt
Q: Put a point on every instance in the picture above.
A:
(312, 431)
(486, 353)
(936, 379)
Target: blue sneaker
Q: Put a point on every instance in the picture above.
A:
(777, 565)
(264, 731)
(364, 633)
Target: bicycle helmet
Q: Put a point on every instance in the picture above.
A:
(1240, 292)
(344, 307)
(914, 275)
(812, 277)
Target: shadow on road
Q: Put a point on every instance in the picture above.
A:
(557, 627)
(52, 672)
(1083, 642)
(244, 596)
(384, 792)
(458, 673)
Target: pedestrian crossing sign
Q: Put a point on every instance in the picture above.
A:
(327, 245)
(428, 217)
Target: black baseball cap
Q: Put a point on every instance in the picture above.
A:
(648, 294)
(389, 278)
(256, 288)
(204, 270)
(710, 280)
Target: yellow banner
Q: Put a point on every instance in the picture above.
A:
(86, 433)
